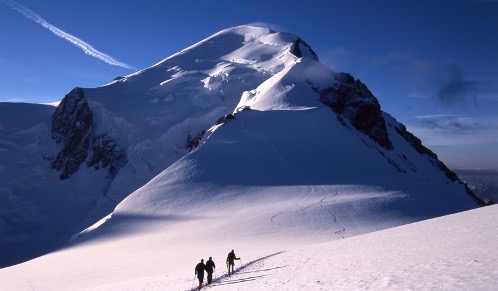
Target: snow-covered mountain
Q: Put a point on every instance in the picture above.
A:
(245, 130)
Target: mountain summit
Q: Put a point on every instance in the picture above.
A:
(247, 115)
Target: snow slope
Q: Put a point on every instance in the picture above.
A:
(244, 136)
(279, 213)
(455, 252)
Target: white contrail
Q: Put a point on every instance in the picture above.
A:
(88, 49)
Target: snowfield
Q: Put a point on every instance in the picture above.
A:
(455, 252)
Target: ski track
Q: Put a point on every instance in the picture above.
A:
(319, 203)
(227, 280)
(342, 228)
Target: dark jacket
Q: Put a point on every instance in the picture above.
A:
(199, 269)
(210, 266)
(231, 257)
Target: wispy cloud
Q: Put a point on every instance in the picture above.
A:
(453, 88)
(271, 26)
(337, 58)
(445, 83)
(84, 46)
(454, 130)
(405, 65)
(449, 123)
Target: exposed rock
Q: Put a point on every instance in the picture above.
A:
(298, 52)
(414, 141)
(72, 124)
(107, 153)
(74, 129)
(351, 99)
(231, 116)
(419, 147)
(243, 108)
(193, 142)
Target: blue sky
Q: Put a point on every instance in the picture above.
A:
(433, 65)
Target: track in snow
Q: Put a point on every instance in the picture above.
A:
(236, 277)
(341, 230)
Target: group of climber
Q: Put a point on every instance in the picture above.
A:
(210, 266)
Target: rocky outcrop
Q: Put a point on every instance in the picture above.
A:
(416, 143)
(73, 128)
(298, 46)
(107, 153)
(420, 148)
(193, 142)
(351, 99)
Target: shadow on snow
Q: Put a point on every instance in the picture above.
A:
(227, 280)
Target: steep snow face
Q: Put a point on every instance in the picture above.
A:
(38, 210)
(21, 168)
(308, 152)
(24, 131)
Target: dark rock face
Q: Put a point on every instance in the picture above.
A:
(419, 147)
(74, 129)
(72, 124)
(351, 99)
(107, 153)
(414, 141)
(193, 142)
(298, 46)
